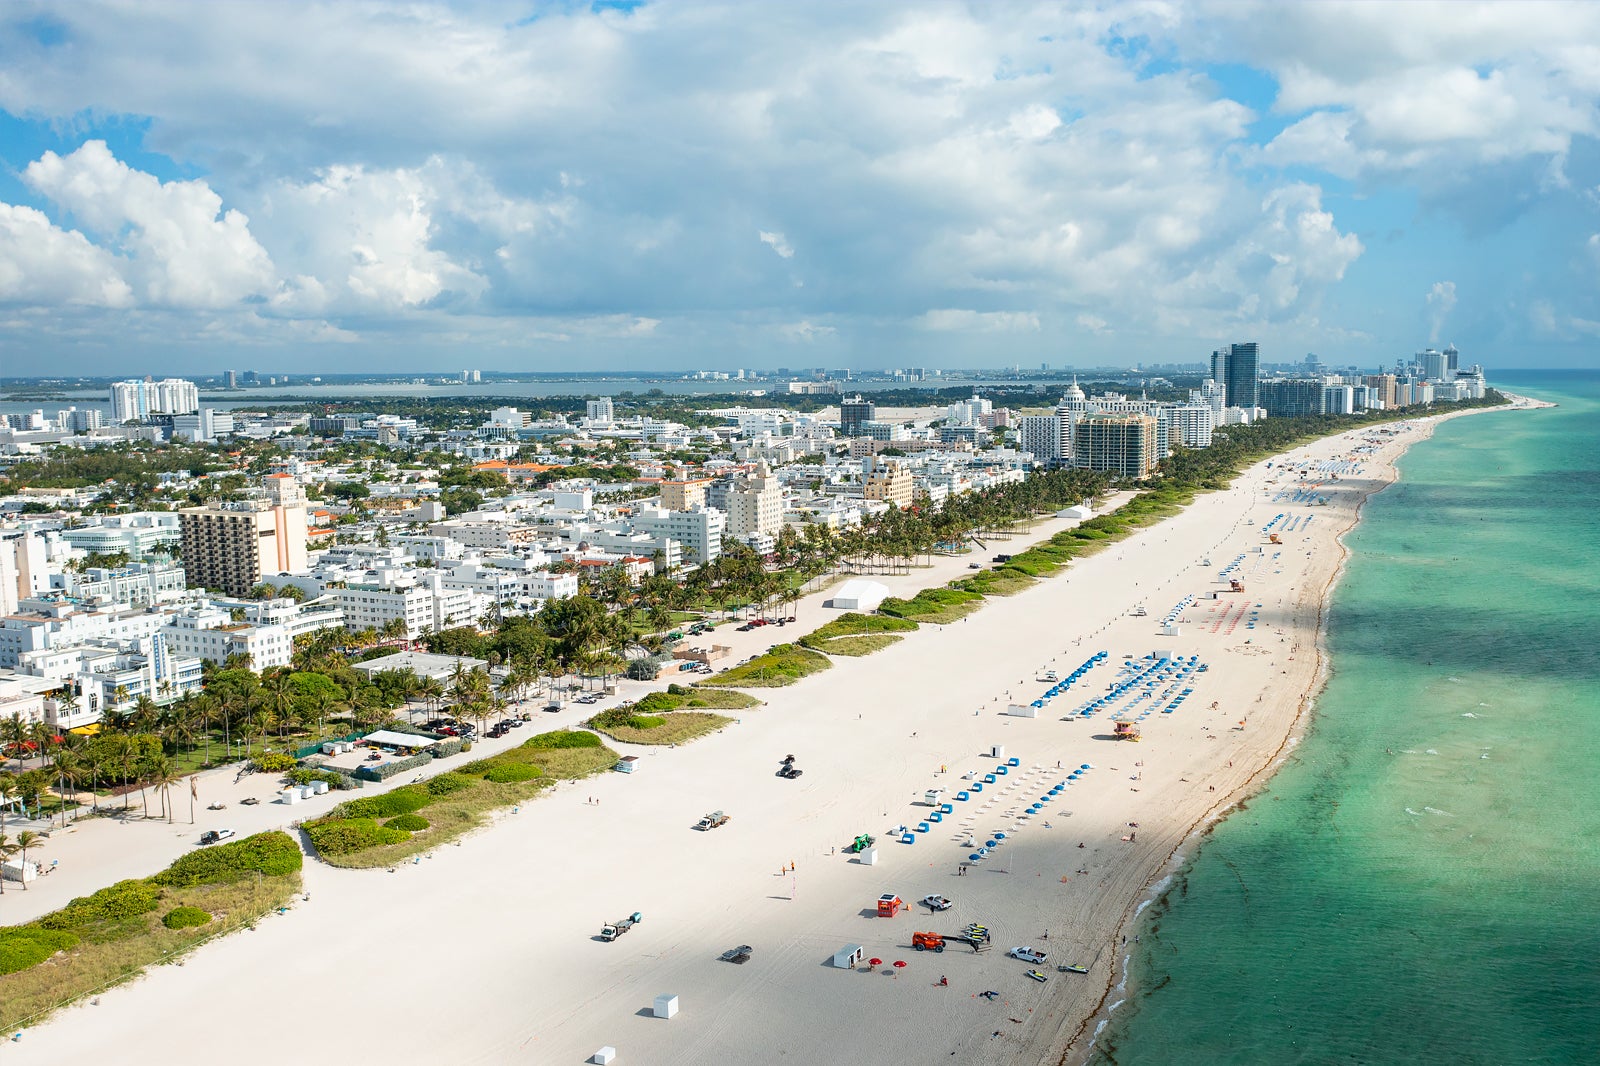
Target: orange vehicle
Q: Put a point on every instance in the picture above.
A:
(927, 941)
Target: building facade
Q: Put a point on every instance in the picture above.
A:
(1125, 445)
(232, 547)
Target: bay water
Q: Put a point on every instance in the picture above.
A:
(1421, 881)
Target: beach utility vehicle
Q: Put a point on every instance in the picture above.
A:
(714, 820)
(612, 930)
(927, 941)
(937, 903)
(1048, 677)
(1027, 954)
(213, 836)
(859, 844)
(790, 771)
(1037, 976)
(1235, 585)
(738, 956)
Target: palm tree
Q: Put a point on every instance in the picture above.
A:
(163, 775)
(8, 793)
(144, 715)
(25, 840)
(7, 849)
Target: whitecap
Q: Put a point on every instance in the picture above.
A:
(1457, 680)
(1468, 714)
(1435, 810)
(1432, 751)
(1414, 814)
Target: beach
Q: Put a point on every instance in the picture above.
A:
(487, 951)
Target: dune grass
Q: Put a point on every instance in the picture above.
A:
(119, 932)
(858, 634)
(783, 665)
(477, 789)
(940, 605)
(678, 727)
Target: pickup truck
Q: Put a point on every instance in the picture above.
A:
(714, 820)
(612, 930)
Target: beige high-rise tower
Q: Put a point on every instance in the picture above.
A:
(755, 503)
(232, 547)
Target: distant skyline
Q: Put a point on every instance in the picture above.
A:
(191, 187)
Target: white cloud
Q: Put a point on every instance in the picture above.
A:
(956, 319)
(1093, 323)
(1441, 300)
(41, 264)
(805, 331)
(182, 248)
(777, 243)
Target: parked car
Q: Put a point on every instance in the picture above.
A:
(213, 836)
(937, 903)
(974, 566)
(1026, 954)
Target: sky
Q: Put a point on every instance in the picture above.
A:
(357, 186)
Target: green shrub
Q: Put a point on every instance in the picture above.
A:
(274, 762)
(185, 918)
(405, 800)
(507, 773)
(125, 899)
(411, 823)
(26, 946)
(447, 783)
(447, 747)
(341, 836)
(384, 771)
(562, 738)
(270, 854)
(676, 689)
(646, 721)
(302, 776)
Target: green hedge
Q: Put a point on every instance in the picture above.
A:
(340, 836)
(387, 770)
(273, 762)
(447, 783)
(185, 918)
(270, 854)
(405, 800)
(447, 747)
(411, 823)
(125, 899)
(25, 946)
(341, 782)
(563, 738)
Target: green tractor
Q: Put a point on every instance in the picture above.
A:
(859, 844)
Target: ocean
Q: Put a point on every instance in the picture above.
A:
(1421, 881)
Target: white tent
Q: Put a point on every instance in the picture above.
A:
(859, 594)
(391, 739)
(1079, 512)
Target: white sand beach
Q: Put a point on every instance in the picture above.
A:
(486, 952)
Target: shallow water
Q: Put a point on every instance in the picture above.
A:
(1421, 883)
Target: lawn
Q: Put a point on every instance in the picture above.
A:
(384, 829)
(101, 940)
(783, 665)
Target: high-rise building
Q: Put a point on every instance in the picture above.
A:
(1292, 397)
(1452, 360)
(1238, 368)
(853, 414)
(755, 503)
(230, 378)
(1048, 437)
(138, 400)
(1119, 444)
(232, 547)
(600, 410)
(1433, 364)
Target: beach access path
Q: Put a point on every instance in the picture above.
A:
(506, 921)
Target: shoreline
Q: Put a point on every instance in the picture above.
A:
(699, 890)
(1097, 1021)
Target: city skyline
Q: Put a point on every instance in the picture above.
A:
(644, 187)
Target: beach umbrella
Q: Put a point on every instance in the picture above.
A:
(1085, 766)
(900, 964)
(999, 836)
(874, 962)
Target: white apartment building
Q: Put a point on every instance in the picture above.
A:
(138, 533)
(138, 400)
(136, 585)
(755, 503)
(209, 632)
(420, 604)
(1191, 424)
(698, 530)
(45, 625)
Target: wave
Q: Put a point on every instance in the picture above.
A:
(1435, 810)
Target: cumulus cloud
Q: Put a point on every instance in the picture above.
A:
(182, 248)
(41, 264)
(1441, 300)
(777, 243)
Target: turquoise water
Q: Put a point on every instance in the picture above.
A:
(1421, 883)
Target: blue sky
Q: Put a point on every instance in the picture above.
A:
(186, 187)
